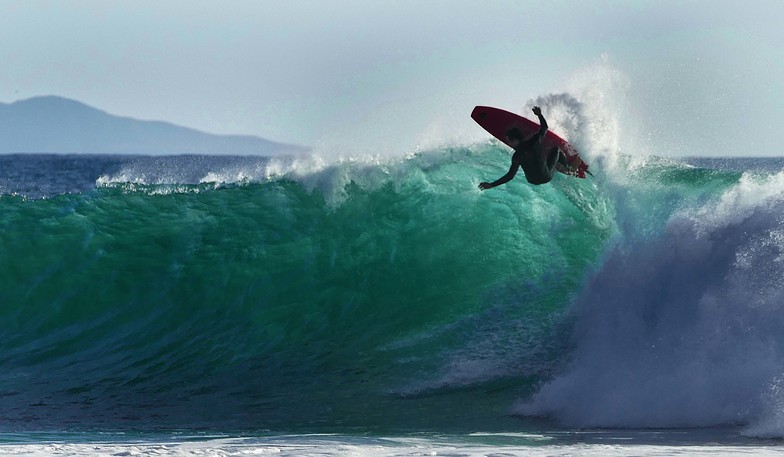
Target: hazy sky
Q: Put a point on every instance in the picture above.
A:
(700, 78)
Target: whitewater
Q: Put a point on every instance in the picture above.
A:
(386, 305)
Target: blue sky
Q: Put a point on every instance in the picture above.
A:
(701, 77)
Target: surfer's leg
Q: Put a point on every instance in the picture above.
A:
(562, 159)
(553, 157)
(558, 156)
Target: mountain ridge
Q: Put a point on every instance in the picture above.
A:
(53, 124)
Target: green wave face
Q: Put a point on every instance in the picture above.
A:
(392, 295)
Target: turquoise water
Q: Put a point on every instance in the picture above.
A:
(378, 302)
(378, 296)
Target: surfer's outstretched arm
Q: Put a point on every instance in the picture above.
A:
(542, 123)
(503, 179)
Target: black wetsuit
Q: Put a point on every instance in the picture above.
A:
(529, 155)
(539, 167)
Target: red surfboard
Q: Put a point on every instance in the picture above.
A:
(497, 122)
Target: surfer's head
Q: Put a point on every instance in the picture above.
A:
(514, 136)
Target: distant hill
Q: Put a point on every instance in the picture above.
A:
(59, 125)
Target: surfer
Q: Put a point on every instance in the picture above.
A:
(530, 156)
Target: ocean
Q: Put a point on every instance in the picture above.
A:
(197, 305)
